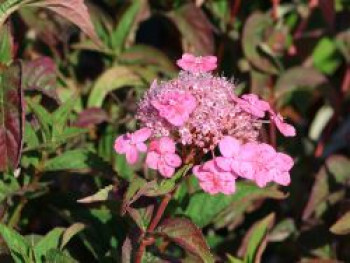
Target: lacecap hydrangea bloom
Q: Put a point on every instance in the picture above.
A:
(186, 119)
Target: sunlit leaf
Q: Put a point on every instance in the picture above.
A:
(70, 232)
(6, 45)
(342, 226)
(19, 247)
(112, 79)
(102, 195)
(11, 117)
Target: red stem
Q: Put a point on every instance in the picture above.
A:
(154, 223)
(346, 80)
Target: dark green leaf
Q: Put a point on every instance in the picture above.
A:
(102, 195)
(70, 232)
(57, 256)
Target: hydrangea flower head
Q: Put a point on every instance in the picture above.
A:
(198, 112)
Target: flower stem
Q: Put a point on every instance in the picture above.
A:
(154, 223)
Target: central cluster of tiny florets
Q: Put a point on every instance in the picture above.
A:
(200, 111)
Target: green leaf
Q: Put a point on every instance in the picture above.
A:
(31, 139)
(325, 56)
(204, 208)
(7, 7)
(70, 232)
(74, 160)
(232, 259)
(19, 247)
(8, 186)
(6, 45)
(112, 79)
(187, 235)
(102, 195)
(44, 118)
(123, 29)
(342, 226)
(256, 238)
(254, 34)
(49, 241)
(61, 116)
(57, 256)
(131, 193)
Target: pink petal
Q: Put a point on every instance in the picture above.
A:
(131, 155)
(141, 147)
(172, 159)
(152, 160)
(284, 161)
(141, 135)
(224, 163)
(166, 145)
(244, 169)
(121, 143)
(262, 179)
(165, 170)
(194, 64)
(228, 187)
(285, 128)
(229, 146)
(209, 187)
(283, 179)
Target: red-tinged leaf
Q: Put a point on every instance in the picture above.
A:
(74, 11)
(11, 117)
(91, 116)
(254, 34)
(187, 235)
(40, 75)
(335, 168)
(328, 10)
(296, 78)
(49, 27)
(195, 28)
(342, 226)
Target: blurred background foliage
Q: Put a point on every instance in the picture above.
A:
(80, 92)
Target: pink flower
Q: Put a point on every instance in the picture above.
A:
(175, 106)
(131, 143)
(229, 148)
(285, 128)
(252, 104)
(214, 180)
(162, 157)
(193, 64)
